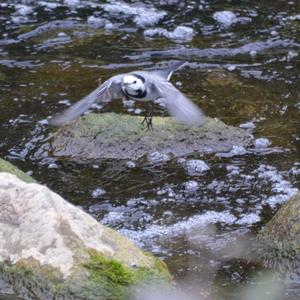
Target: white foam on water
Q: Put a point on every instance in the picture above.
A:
(191, 186)
(248, 219)
(236, 150)
(98, 192)
(130, 164)
(96, 21)
(282, 188)
(72, 3)
(233, 170)
(180, 33)
(158, 157)
(113, 218)
(295, 170)
(161, 232)
(142, 16)
(196, 167)
(225, 18)
(49, 5)
(23, 10)
(247, 125)
(262, 143)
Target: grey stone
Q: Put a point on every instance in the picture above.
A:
(115, 136)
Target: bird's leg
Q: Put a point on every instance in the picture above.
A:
(148, 119)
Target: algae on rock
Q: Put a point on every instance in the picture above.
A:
(6, 166)
(116, 136)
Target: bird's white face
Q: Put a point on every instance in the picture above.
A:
(132, 84)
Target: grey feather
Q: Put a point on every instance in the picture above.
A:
(178, 105)
(167, 73)
(109, 90)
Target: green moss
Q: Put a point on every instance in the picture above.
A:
(110, 269)
(110, 276)
(160, 268)
(116, 280)
(6, 166)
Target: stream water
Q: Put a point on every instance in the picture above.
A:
(243, 68)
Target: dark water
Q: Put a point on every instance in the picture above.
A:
(244, 68)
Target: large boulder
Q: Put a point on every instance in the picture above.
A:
(116, 136)
(279, 241)
(50, 249)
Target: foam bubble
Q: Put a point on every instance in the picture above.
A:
(225, 18)
(196, 167)
(180, 228)
(262, 143)
(180, 33)
(98, 192)
(158, 157)
(142, 16)
(248, 219)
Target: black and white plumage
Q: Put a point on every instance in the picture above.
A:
(139, 86)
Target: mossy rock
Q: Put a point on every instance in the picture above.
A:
(279, 241)
(119, 136)
(57, 251)
(97, 278)
(6, 166)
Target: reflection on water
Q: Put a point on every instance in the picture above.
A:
(243, 62)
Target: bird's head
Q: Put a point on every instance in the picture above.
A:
(133, 84)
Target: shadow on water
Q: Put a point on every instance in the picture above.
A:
(242, 72)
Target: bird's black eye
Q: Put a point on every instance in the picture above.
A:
(134, 81)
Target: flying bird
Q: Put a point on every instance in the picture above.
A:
(139, 86)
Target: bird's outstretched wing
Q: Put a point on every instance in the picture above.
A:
(109, 90)
(178, 105)
(168, 72)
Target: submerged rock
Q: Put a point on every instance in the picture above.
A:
(115, 136)
(279, 241)
(49, 249)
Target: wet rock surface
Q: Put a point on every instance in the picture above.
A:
(123, 137)
(51, 249)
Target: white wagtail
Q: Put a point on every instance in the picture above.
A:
(139, 86)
